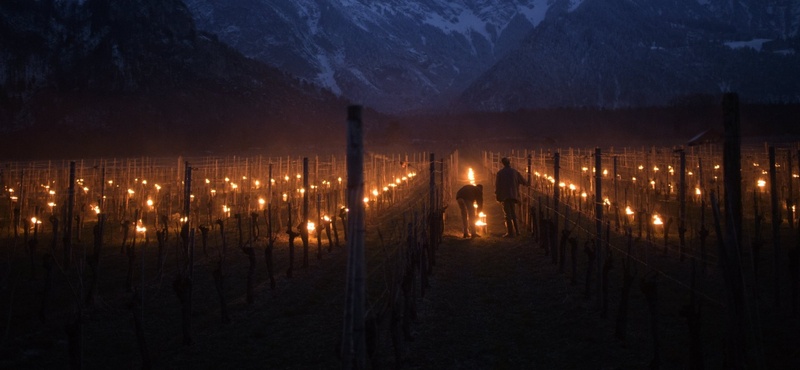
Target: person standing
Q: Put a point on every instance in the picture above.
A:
(506, 190)
(467, 197)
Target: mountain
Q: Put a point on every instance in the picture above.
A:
(633, 53)
(400, 56)
(393, 55)
(137, 76)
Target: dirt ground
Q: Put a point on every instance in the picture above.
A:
(493, 303)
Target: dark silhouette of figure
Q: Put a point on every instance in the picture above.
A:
(467, 197)
(506, 189)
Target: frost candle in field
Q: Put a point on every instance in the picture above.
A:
(471, 176)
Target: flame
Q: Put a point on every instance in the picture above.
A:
(628, 210)
(697, 191)
(96, 209)
(480, 223)
(130, 191)
(366, 200)
(471, 176)
(51, 204)
(52, 192)
(150, 202)
(657, 220)
(561, 184)
(299, 176)
(571, 186)
(208, 181)
(585, 169)
(158, 187)
(761, 183)
(261, 201)
(285, 196)
(326, 218)
(375, 192)
(227, 179)
(605, 172)
(310, 227)
(641, 167)
(583, 194)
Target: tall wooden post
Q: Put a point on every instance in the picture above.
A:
(304, 222)
(353, 339)
(682, 209)
(70, 216)
(732, 158)
(598, 189)
(527, 211)
(790, 193)
(556, 201)
(776, 224)
(730, 248)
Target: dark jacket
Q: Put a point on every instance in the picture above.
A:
(506, 185)
(471, 194)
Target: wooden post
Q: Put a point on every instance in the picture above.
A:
(70, 216)
(304, 222)
(353, 339)
(556, 201)
(789, 193)
(776, 225)
(598, 189)
(682, 209)
(732, 165)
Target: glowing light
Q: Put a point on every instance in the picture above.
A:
(14, 198)
(583, 194)
(633, 178)
(208, 181)
(480, 223)
(286, 178)
(227, 179)
(130, 191)
(653, 183)
(272, 180)
(213, 191)
(234, 186)
(641, 167)
(657, 220)
(244, 177)
(690, 173)
(110, 182)
(299, 176)
(366, 200)
(764, 172)
(261, 201)
(51, 204)
(398, 181)
(340, 180)
(655, 168)
(755, 164)
(716, 167)
(52, 192)
(761, 183)
(302, 191)
(585, 169)
(141, 228)
(375, 192)
(697, 191)
(258, 183)
(158, 187)
(537, 174)
(571, 186)
(326, 218)
(285, 197)
(310, 227)
(561, 184)
(35, 221)
(150, 202)
(471, 176)
(475, 205)
(605, 172)
(628, 210)
(97, 209)
(225, 209)
(405, 178)
(606, 202)
(85, 189)
(385, 188)
(795, 175)
(144, 182)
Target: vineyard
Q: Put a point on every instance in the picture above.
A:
(681, 257)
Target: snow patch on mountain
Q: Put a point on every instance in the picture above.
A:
(574, 4)
(754, 44)
(535, 11)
